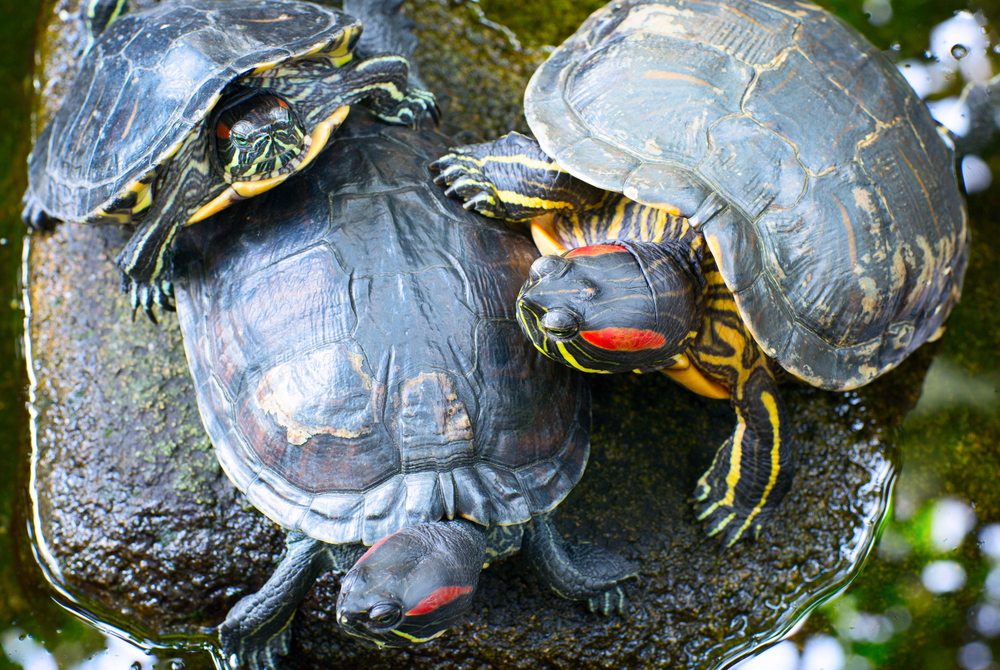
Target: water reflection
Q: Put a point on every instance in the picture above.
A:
(21, 649)
(959, 52)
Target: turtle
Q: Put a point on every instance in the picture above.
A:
(185, 107)
(727, 192)
(359, 368)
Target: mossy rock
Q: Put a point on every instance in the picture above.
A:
(136, 522)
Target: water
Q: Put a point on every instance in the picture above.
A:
(929, 598)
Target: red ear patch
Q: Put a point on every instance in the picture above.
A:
(282, 103)
(438, 598)
(222, 130)
(624, 339)
(596, 250)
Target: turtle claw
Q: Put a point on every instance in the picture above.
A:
(611, 601)
(728, 522)
(145, 295)
(239, 655)
(460, 173)
(412, 109)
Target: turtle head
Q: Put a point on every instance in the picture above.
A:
(411, 586)
(257, 136)
(611, 307)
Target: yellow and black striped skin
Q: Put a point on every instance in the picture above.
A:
(257, 138)
(169, 177)
(314, 88)
(753, 469)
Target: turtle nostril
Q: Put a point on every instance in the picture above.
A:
(546, 266)
(561, 323)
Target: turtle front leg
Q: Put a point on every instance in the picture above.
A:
(513, 179)
(753, 469)
(146, 260)
(577, 571)
(258, 628)
(319, 87)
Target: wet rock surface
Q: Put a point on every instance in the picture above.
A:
(135, 520)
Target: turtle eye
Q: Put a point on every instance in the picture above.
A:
(384, 615)
(547, 266)
(239, 140)
(561, 323)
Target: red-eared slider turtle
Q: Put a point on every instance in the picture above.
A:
(753, 185)
(359, 369)
(185, 107)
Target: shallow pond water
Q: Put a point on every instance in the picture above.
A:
(929, 596)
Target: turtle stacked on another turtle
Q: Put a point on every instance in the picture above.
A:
(185, 107)
(359, 369)
(733, 188)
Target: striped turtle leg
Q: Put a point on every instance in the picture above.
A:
(258, 628)
(512, 178)
(145, 261)
(319, 87)
(754, 468)
(577, 571)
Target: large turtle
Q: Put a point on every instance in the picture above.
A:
(359, 368)
(187, 106)
(751, 185)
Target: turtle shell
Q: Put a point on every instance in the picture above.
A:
(841, 233)
(149, 80)
(357, 359)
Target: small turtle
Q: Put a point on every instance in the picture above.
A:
(359, 368)
(742, 186)
(190, 105)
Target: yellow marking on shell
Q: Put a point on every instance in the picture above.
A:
(338, 48)
(264, 67)
(144, 197)
(128, 126)
(516, 198)
(283, 17)
(662, 74)
(568, 358)
(242, 190)
(544, 235)
(683, 372)
(341, 61)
